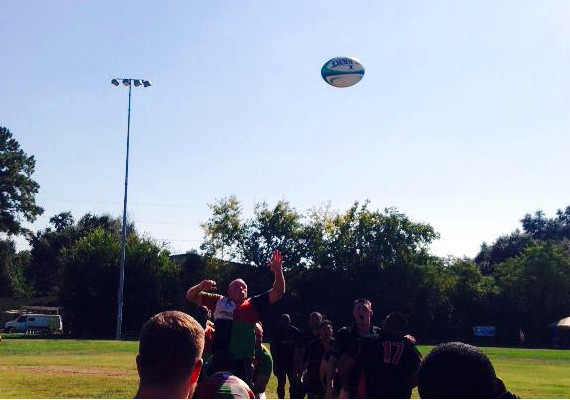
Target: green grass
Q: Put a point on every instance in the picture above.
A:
(106, 369)
(67, 369)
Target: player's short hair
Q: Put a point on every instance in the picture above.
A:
(362, 300)
(170, 344)
(456, 370)
(395, 323)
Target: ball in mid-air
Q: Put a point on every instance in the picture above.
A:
(342, 71)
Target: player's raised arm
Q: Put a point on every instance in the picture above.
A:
(278, 289)
(194, 294)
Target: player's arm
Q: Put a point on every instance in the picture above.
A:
(278, 289)
(194, 294)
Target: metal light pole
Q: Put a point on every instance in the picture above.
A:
(127, 82)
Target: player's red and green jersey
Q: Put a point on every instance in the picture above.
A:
(235, 323)
(223, 385)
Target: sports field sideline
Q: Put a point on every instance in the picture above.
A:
(37, 368)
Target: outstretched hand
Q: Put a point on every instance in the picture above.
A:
(275, 262)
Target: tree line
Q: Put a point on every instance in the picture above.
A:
(519, 282)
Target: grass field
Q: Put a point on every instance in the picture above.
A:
(106, 369)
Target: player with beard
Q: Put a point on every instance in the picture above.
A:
(346, 339)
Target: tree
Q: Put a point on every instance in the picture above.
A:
(469, 294)
(534, 288)
(90, 279)
(330, 257)
(252, 241)
(223, 230)
(505, 247)
(62, 221)
(45, 256)
(543, 228)
(17, 188)
(13, 282)
(45, 269)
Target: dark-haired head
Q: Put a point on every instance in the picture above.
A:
(362, 300)
(170, 351)
(395, 323)
(456, 370)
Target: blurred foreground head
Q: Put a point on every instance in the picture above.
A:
(170, 356)
(456, 370)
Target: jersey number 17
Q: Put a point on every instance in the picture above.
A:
(393, 352)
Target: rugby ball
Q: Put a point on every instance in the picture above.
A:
(342, 72)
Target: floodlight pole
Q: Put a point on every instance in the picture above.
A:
(126, 82)
(123, 231)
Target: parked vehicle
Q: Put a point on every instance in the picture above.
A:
(35, 323)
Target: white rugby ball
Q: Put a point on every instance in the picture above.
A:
(342, 71)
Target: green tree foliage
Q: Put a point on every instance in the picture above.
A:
(330, 257)
(17, 188)
(45, 270)
(13, 282)
(62, 221)
(224, 229)
(469, 294)
(543, 228)
(45, 264)
(252, 241)
(90, 282)
(534, 288)
(505, 247)
(536, 227)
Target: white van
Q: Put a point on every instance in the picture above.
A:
(35, 323)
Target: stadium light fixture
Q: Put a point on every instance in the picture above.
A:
(126, 82)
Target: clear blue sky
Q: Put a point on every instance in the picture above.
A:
(462, 119)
